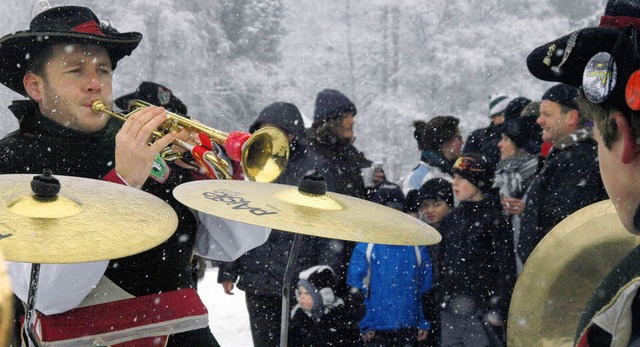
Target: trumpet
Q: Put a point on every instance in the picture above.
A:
(264, 154)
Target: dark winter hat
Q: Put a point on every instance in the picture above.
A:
(475, 168)
(154, 94)
(320, 282)
(533, 109)
(411, 202)
(564, 95)
(436, 132)
(283, 115)
(498, 104)
(515, 107)
(436, 189)
(388, 194)
(331, 104)
(524, 132)
(66, 24)
(600, 60)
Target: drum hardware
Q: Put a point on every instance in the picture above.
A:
(63, 219)
(304, 210)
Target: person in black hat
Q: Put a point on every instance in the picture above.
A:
(155, 94)
(567, 180)
(484, 140)
(435, 199)
(260, 271)
(610, 50)
(519, 149)
(159, 95)
(332, 136)
(476, 241)
(62, 64)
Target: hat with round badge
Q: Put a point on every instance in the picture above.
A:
(65, 24)
(604, 61)
(155, 94)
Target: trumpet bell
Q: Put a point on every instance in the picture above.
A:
(265, 155)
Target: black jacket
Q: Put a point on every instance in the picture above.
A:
(568, 181)
(347, 161)
(261, 270)
(478, 260)
(41, 143)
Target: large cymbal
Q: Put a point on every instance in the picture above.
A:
(563, 272)
(89, 220)
(283, 207)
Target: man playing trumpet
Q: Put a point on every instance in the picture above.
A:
(63, 63)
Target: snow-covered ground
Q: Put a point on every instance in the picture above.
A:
(228, 317)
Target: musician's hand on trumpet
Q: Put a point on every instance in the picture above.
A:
(262, 155)
(186, 161)
(134, 153)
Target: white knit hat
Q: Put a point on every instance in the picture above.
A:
(498, 104)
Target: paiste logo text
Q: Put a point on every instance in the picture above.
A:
(238, 202)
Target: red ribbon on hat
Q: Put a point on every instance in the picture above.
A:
(90, 27)
(619, 22)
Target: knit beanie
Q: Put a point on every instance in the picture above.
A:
(283, 115)
(515, 107)
(436, 189)
(411, 203)
(154, 94)
(475, 168)
(524, 132)
(498, 104)
(388, 194)
(320, 282)
(436, 132)
(331, 104)
(533, 109)
(564, 95)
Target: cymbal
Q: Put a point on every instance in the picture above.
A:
(562, 274)
(283, 207)
(89, 220)
(6, 304)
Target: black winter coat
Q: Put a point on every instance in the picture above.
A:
(477, 254)
(331, 329)
(261, 270)
(41, 143)
(347, 161)
(568, 181)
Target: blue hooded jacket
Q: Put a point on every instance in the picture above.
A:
(393, 296)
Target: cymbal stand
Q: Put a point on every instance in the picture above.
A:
(30, 318)
(286, 290)
(44, 186)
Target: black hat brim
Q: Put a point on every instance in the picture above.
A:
(16, 50)
(543, 61)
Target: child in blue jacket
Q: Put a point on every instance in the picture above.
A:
(393, 280)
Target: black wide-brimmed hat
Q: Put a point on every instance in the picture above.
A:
(65, 24)
(600, 60)
(154, 94)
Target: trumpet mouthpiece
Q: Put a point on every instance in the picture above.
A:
(97, 106)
